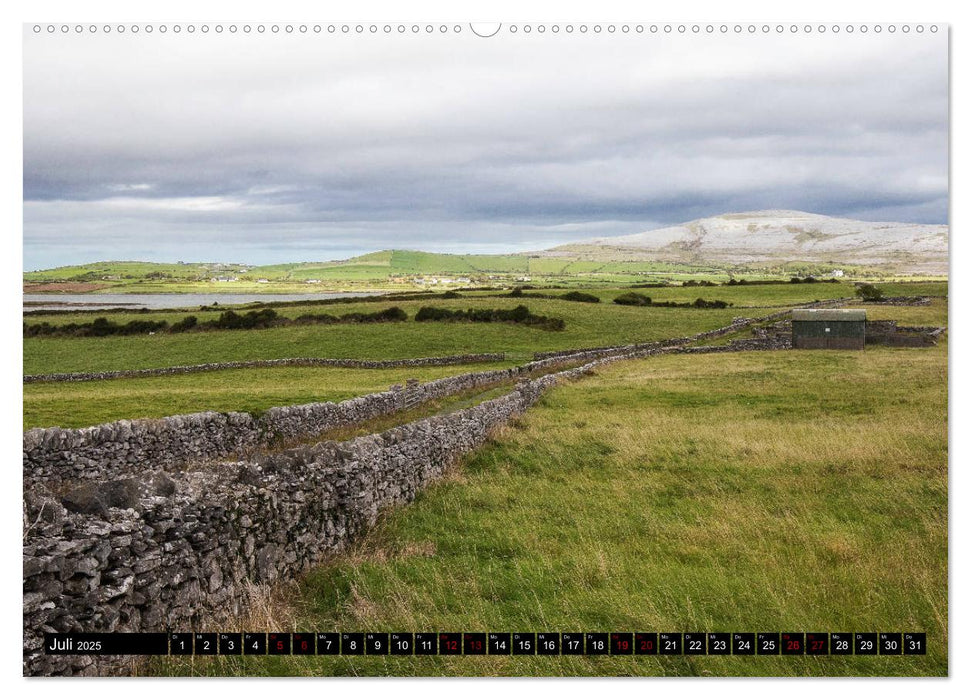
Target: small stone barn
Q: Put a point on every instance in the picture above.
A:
(839, 329)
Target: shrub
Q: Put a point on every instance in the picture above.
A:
(633, 299)
(431, 313)
(186, 324)
(696, 304)
(714, 304)
(451, 294)
(101, 327)
(869, 292)
(228, 320)
(581, 296)
(264, 318)
(307, 319)
(141, 327)
(519, 314)
(98, 328)
(393, 313)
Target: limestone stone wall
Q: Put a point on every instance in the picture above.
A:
(123, 447)
(889, 333)
(170, 550)
(286, 362)
(736, 325)
(901, 301)
(160, 525)
(126, 446)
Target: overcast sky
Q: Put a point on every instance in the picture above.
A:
(274, 148)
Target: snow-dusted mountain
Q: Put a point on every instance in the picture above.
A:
(780, 235)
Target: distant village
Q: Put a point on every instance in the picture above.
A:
(229, 273)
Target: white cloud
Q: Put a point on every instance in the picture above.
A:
(178, 204)
(140, 187)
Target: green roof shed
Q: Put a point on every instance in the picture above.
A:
(839, 329)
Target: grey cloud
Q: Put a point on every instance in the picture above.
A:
(287, 145)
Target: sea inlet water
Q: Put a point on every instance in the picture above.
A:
(69, 302)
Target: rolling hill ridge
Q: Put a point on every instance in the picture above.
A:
(773, 236)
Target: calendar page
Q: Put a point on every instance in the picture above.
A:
(544, 349)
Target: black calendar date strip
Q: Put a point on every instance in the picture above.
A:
(488, 643)
(107, 644)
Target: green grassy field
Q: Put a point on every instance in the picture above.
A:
(372, 265)
(740, 297)
(586, 325)
(934, 314)
(79, 404)
(802, 490)
(742, 492)
(126, 270)
(400, 269)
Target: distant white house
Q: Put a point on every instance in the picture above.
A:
(435, 280)
(524, 278)
(262, 280)
(836, 273)
(312, 282)
(224, 279)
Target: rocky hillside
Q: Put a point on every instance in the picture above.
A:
(777, 236)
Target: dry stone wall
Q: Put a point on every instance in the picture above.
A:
(171, 550)
(249, 364)
(126, 446)
(933, 331)
(116, 539)
(123, 447)
(737, 324)
(901, 301)
(889, 333)
(744, 345)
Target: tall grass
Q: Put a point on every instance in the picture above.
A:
(79, 404)
(744, 492)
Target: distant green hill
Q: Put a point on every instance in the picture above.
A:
(405, 270)
(761, 244)
(122, 269)
(380, 264)
(387, 263)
